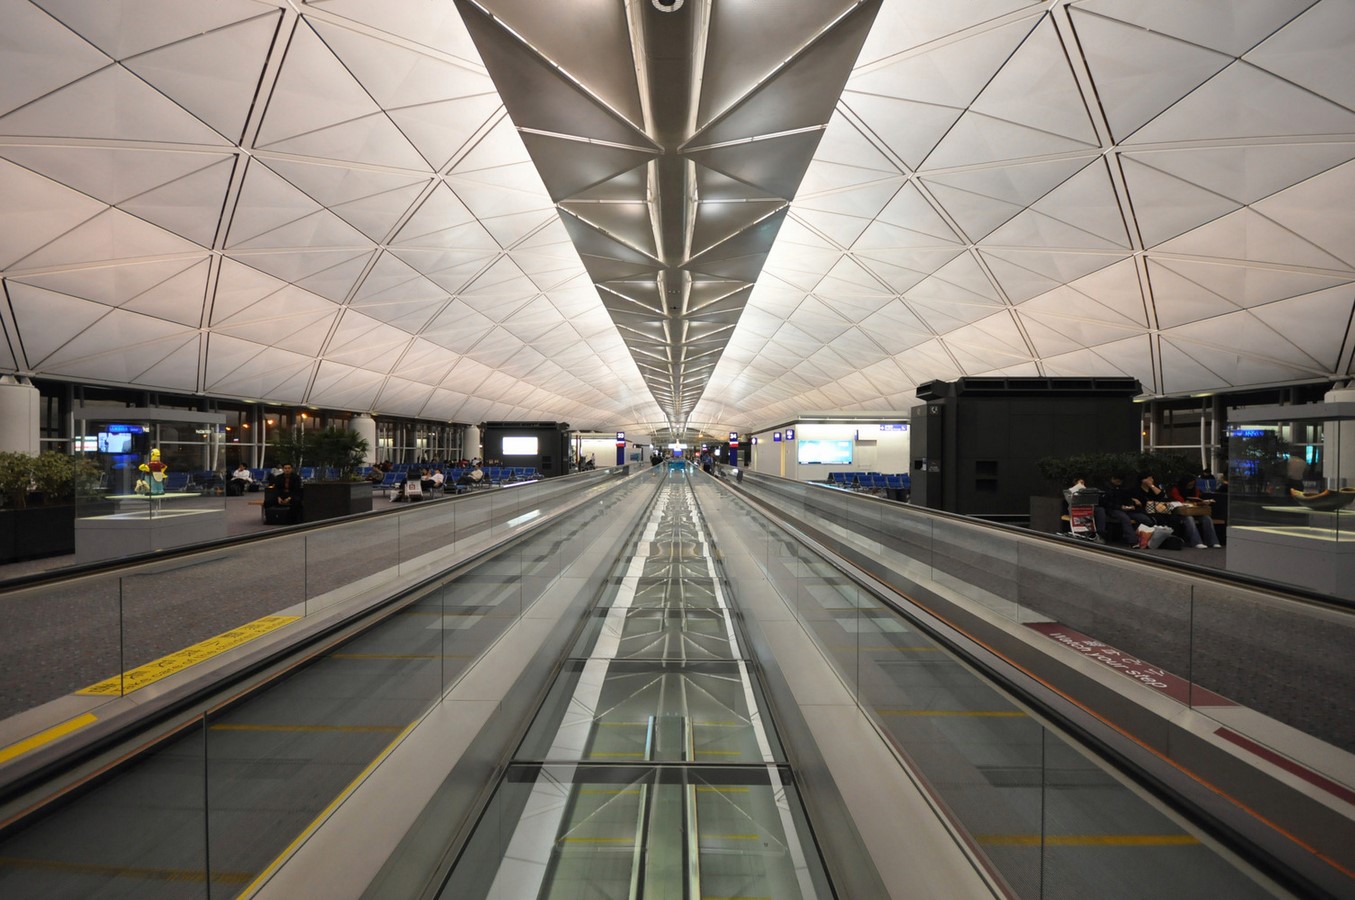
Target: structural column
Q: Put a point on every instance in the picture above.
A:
(365, 426)
(20, 416)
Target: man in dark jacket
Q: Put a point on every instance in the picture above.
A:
(1124, 506)
(284, 490)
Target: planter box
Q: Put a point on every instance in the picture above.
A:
(1046, 514)
(36, 531)
(332, 499)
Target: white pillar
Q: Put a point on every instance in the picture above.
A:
(470, 449)
(20, 416)
(365, 426)
(1338, 444)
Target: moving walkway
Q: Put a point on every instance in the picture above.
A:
(671, 722)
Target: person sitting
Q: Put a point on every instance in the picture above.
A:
(437, 479)
(284, 490)
(1124, 508)
(474, 477)
(1199, 528)
(241, 480)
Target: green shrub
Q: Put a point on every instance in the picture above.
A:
(1167, 468)
(55, 476)
(331, 448)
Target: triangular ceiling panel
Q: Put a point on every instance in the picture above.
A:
(36, 210)
(110, 103)
(212, 74)
(1313, 51)
(111, 235)
(48, 320)
(1247, 285)
(1035, 88)
(1306, 209)
(1139, 72)
(176, 371)
(115, 285)
(1228, 26)
(1243, 101)
(120, 349)
(1304, 321)
(1248, 235)
(1166, 206)
(48, 53)
(1245, 174)
(344, 386)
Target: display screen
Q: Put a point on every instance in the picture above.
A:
(520, 446)
(835, 453)
(114, 442)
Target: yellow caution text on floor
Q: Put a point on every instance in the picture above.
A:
(152, 672)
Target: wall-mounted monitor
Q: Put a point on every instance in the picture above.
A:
(114, 442)
(815, 452)
(519, 445)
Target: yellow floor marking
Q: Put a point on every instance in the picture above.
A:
(152, 672)
(722, 790)
(988, 713)
(325, 813)
(19, 748)
(635, 754)
(107, 871)
(629, 841)
(363, 729)
(733, 837)
(1089, 840)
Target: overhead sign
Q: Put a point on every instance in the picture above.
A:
(620, 439)
(734, 439)
(776, 436)
(790, 434)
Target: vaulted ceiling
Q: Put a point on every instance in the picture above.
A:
(619, 216)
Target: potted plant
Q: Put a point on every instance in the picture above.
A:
(38, 517)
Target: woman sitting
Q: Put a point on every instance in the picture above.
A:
(1186, 491)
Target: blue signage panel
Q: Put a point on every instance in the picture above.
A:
(790, 434)
(776, 436)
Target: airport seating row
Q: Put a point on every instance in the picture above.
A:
(870, 481)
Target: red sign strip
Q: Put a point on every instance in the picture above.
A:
(1145, 673)
(1284, 762)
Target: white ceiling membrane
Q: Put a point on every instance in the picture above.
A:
(673, 155)
(626, 218)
